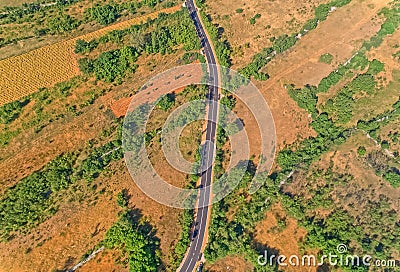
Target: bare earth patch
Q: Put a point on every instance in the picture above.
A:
(231, 264)
(281, 232)
(277, 18)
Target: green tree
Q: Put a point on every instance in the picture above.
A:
(361, 151)
(166, 101)
(104, 15)
(62, 23)
(140, 247)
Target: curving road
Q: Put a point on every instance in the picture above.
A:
(200, 226)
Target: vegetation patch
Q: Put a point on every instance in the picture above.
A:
(326, 58)
(136, 241)
(30, 202)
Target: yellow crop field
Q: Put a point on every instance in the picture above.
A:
(25, 74)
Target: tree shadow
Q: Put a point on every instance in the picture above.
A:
(68, 264)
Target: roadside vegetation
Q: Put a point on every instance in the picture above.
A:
(161, 35)
(136, 240)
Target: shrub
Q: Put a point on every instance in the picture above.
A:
(63, 23)
(283, 43)
(326, 58)
(104, 15)
(82, 46)
(385, 145)
(375, 66)
(166, 102)
(361, 151)
(10, 111)
(85, 66)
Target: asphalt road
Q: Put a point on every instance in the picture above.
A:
(200, 225)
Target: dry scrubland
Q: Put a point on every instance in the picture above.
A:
(277, 18)
(43, 67)
(341, 35)
(62, 240)
(86, 214)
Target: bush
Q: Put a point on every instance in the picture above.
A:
(239, 10)
(283, 43)
(62, 23)
(385, 145)
(258, 61)
(254, 18)
(166, 102)
(361, 151)
(322, 11)
(306, 97)
(111, 65)
(375, 66)
(10, 111)
(326, 58)
(309, 25)
(136, 242)
(86, 66)
(122, 199)
(104, 15)
(82, 46)
(393, 177)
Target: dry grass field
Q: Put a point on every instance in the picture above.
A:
(231, 264)
(277, 18)
(340, 35)
(43, 67)
(63, 239)
(4, 3)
